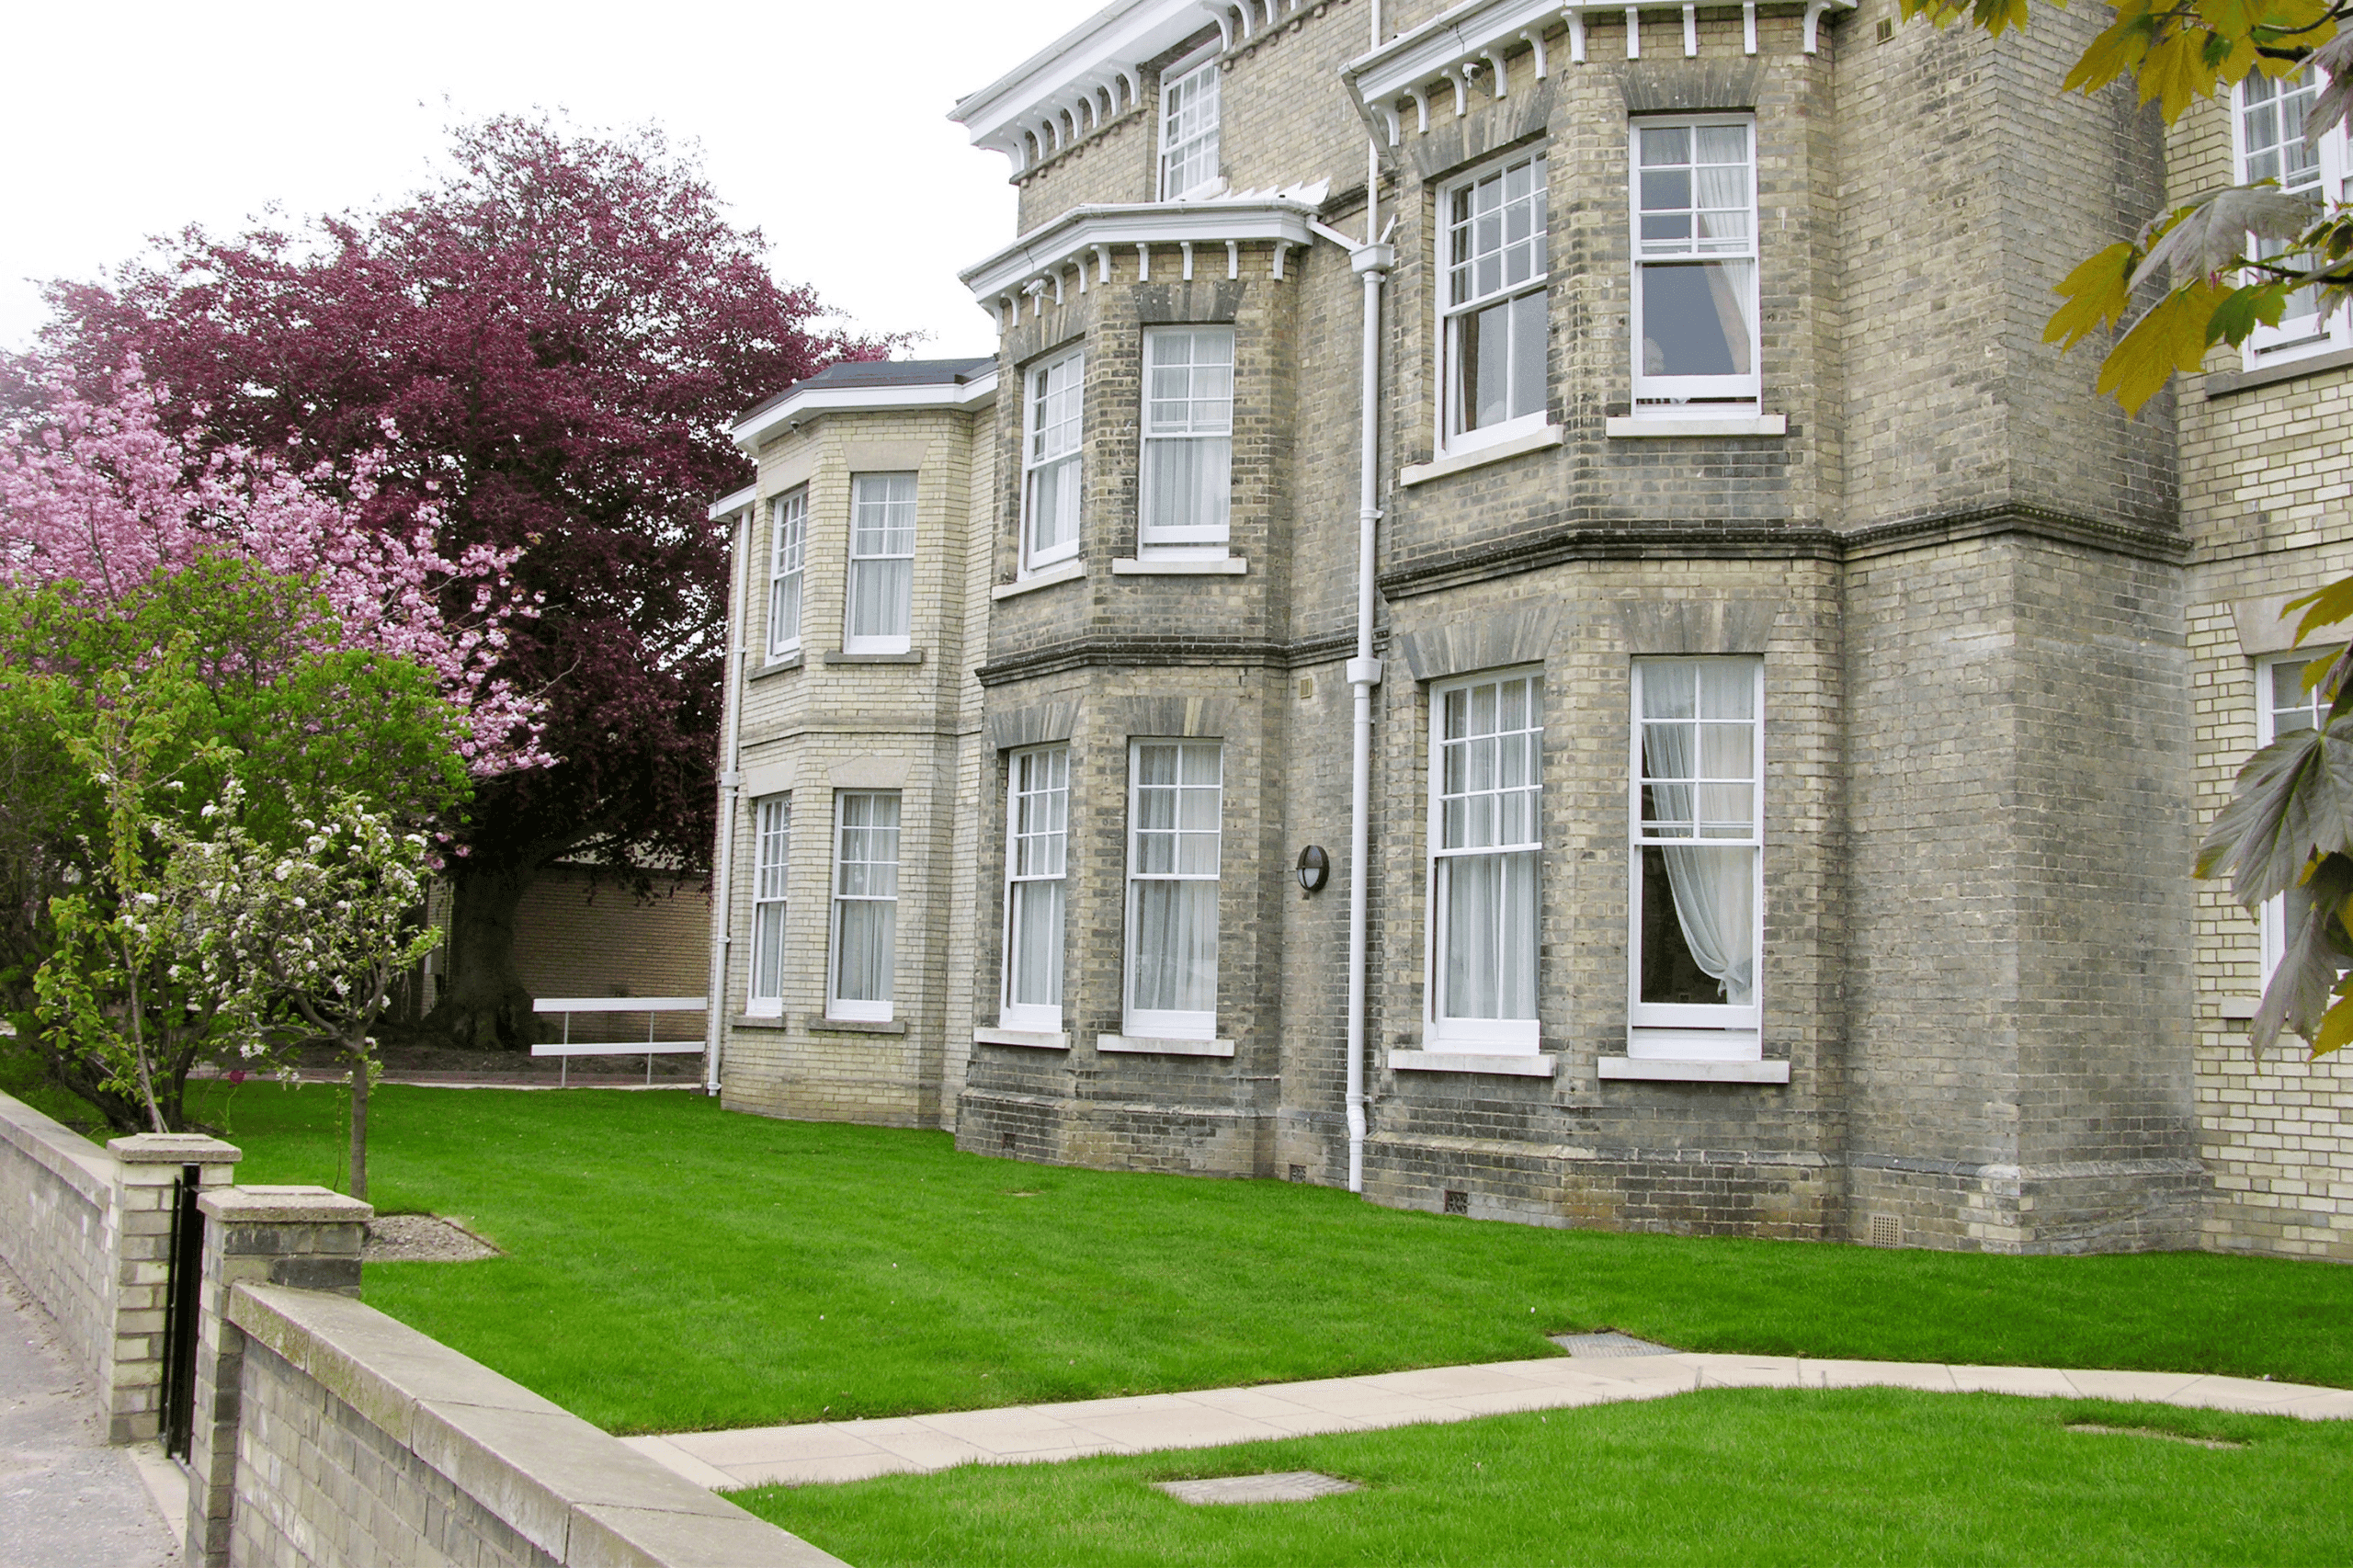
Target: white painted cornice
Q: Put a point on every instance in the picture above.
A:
(813, 402)
(728, 506)
(1104, 52)
(1069, 240)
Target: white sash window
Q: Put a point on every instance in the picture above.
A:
(1037, 839)
(1486, 841)
(1050, 462)
(865, 905)
(1495, 257)
(2282, 707)
(881, 563)
(1697, 873)
(1174, 797)
(788, 517)
(771, 841)
(1696, 342)
(2267, 134)
(1188, 147)
(1188, 439)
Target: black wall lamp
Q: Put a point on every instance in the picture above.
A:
(1314, 868)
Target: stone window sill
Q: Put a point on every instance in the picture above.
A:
(1512, 1065)
(1031, 1039)
(759, 1021)
(1141, 1045)
(2223, 383)
(1624, 429)
(1656, 1071)
(2240, 1006)
(1457, 462)
(1060, 572)
(1180, 566)
(776, 667)
(856, 1026)
(835, 656)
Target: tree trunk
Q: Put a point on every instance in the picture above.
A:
(359, 1123)
(483, 1004)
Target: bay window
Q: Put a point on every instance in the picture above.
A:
(1492, 316)
(772, 839)
(1175, 800)
(881, 612)
(1188, 439)
(2267, 126)
(1697, 877)
(865, 905)
(1049, 461)
(1695, 340)
(788, 522)
(1037, 840)
(1487, 840)
(1188, 132)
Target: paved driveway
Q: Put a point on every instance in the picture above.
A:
(66, 1499)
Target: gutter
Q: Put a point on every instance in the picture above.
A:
(742, 505)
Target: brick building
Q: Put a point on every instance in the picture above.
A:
(1792, 696)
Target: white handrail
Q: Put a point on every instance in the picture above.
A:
(649, 1005)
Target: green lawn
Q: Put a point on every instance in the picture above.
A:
(1746, 1477)
(671, 1267)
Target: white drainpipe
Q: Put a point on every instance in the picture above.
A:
(730, 780)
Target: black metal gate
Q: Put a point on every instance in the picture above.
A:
(180, 1313)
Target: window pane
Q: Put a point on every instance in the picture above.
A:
(1698, 930)
(1035, 945)
(1490, 912)
(767, 952)
(881, 598)
(1695, 318)
(869, 933)
(1174, 968)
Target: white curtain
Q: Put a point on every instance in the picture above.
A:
(1037, 945)
(767, 952)
(1187, 484)
(1176, 947)
(1491, 936)
(870, 929)
(1053, 504)
(1715, 900)
(881, 598)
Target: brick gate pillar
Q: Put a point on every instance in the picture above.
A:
(147, 1171)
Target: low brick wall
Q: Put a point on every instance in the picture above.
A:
(328, 1433)
(88, 1231)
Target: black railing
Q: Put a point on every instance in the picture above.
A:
(180, 1313)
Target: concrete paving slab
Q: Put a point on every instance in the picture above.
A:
(1001, 1439)
(1743, 1371)
(765, 1445)
(1930, 1376)
(662, 1451)
(1257, 1402)
(810, 1472)
(929, 1450)
(2159, 1387)
(1451, 1383)
(2034, 1382)
(1140, 1431)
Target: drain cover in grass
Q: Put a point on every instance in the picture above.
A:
(1589, 1347)
(2153, 1432)
(1287, 1486)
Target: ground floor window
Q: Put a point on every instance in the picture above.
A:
(1176, 790)
(1487, 840)
(2282, 707)
(1036, 834)
(1696, 881)
(772, 827)
(865, 904)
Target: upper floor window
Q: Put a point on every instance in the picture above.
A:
(1036, 868)
(1495, 248)
(1050, 462)
(1175, 792)
(1187, 438)
(1695, 267)
(2268, 125)
(1189, 164)
(789, 553)
(1486, 838)
(771, 840)
(881, 563)
(1697, 843)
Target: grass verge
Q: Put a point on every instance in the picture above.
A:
(672, 1267)
(1745, 1476)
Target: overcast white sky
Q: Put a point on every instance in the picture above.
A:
(823, 125)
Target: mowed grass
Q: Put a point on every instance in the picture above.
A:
(670, 1267)
(1734, 1476)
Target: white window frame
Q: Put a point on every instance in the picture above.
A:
(862, 504)
(863, 1009)
(1693, 397)
(2296, 337)
(1695, 1032)
(1165, 1023)
(1450, 316)
(771, 876)
(788, 570)
(1209, 535)
(2272, 918)
(1496, 1036)
(1052, 442)
(1037, 853)
(1182, 87)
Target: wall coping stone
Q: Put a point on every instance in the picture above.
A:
(172, 1149)
(282, 1204)
(571, 1490)
(58, 1150)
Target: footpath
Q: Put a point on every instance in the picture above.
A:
(1598, 1369)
